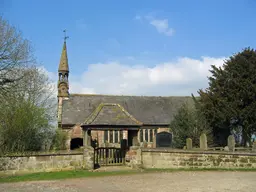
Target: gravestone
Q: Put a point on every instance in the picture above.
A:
(163, 139)
(189, 143)
(254, 146)
(226, 148)
(135, 141)
(231, 143)
(203, 142)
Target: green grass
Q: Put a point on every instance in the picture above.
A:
(60, 175)
(83, 173)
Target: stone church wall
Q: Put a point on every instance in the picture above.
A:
(41, 162)
(172, 159)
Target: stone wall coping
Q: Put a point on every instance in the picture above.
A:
(166, 150)
(34, 154)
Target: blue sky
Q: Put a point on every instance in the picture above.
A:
(154, 39)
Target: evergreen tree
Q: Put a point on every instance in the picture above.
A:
(229, 103)
(189, 122)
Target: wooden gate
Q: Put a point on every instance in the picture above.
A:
(105, 156)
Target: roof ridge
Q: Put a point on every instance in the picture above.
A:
(96, 112)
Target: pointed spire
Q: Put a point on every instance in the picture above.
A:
(63, 66)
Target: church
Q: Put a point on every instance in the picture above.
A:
(109, 119)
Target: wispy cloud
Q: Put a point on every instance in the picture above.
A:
(161, 25)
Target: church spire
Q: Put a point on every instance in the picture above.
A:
(63, 66)
(63, 87)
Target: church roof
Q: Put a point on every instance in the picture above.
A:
(104, 109)
(111, 114)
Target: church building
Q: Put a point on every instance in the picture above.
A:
(111, 118)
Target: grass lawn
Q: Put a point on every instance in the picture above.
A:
(83, 173)
(60, 175)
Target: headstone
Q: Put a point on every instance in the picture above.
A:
(135, 141)
(203, 142)
(231, 143)
(163, 139)
(189, 143)
(254, 146)
(226, 148)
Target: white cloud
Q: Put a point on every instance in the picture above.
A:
(162, 26)
(181, 77)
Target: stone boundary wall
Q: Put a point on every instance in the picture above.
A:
(170, 158)
(16, 164)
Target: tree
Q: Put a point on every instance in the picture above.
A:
(229, 103)
(27, 113)
(15, 52)
(189, 122)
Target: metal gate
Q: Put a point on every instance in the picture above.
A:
(105, 156)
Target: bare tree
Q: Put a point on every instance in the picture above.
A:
(15, 52)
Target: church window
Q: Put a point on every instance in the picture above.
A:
(151, 135)
(110, 136)
(146, 134)
(105, 136)
(116, 136)
(121, 135)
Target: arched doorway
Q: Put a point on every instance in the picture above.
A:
(76, 143)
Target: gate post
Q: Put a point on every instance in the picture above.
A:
(88, 157)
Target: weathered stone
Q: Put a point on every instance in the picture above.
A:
(88, 157)
(231, 143)
(159, 130)
(189, 143)
(144, 144)
(135, 141)
(154, 142)
(226, 148)
(39, 162)
(203, 142)
(254, 146)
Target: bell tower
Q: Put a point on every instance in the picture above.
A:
(63, 71)
(63, 86)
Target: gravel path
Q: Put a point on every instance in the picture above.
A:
(150, 182)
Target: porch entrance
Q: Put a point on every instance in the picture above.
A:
(107, 156)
